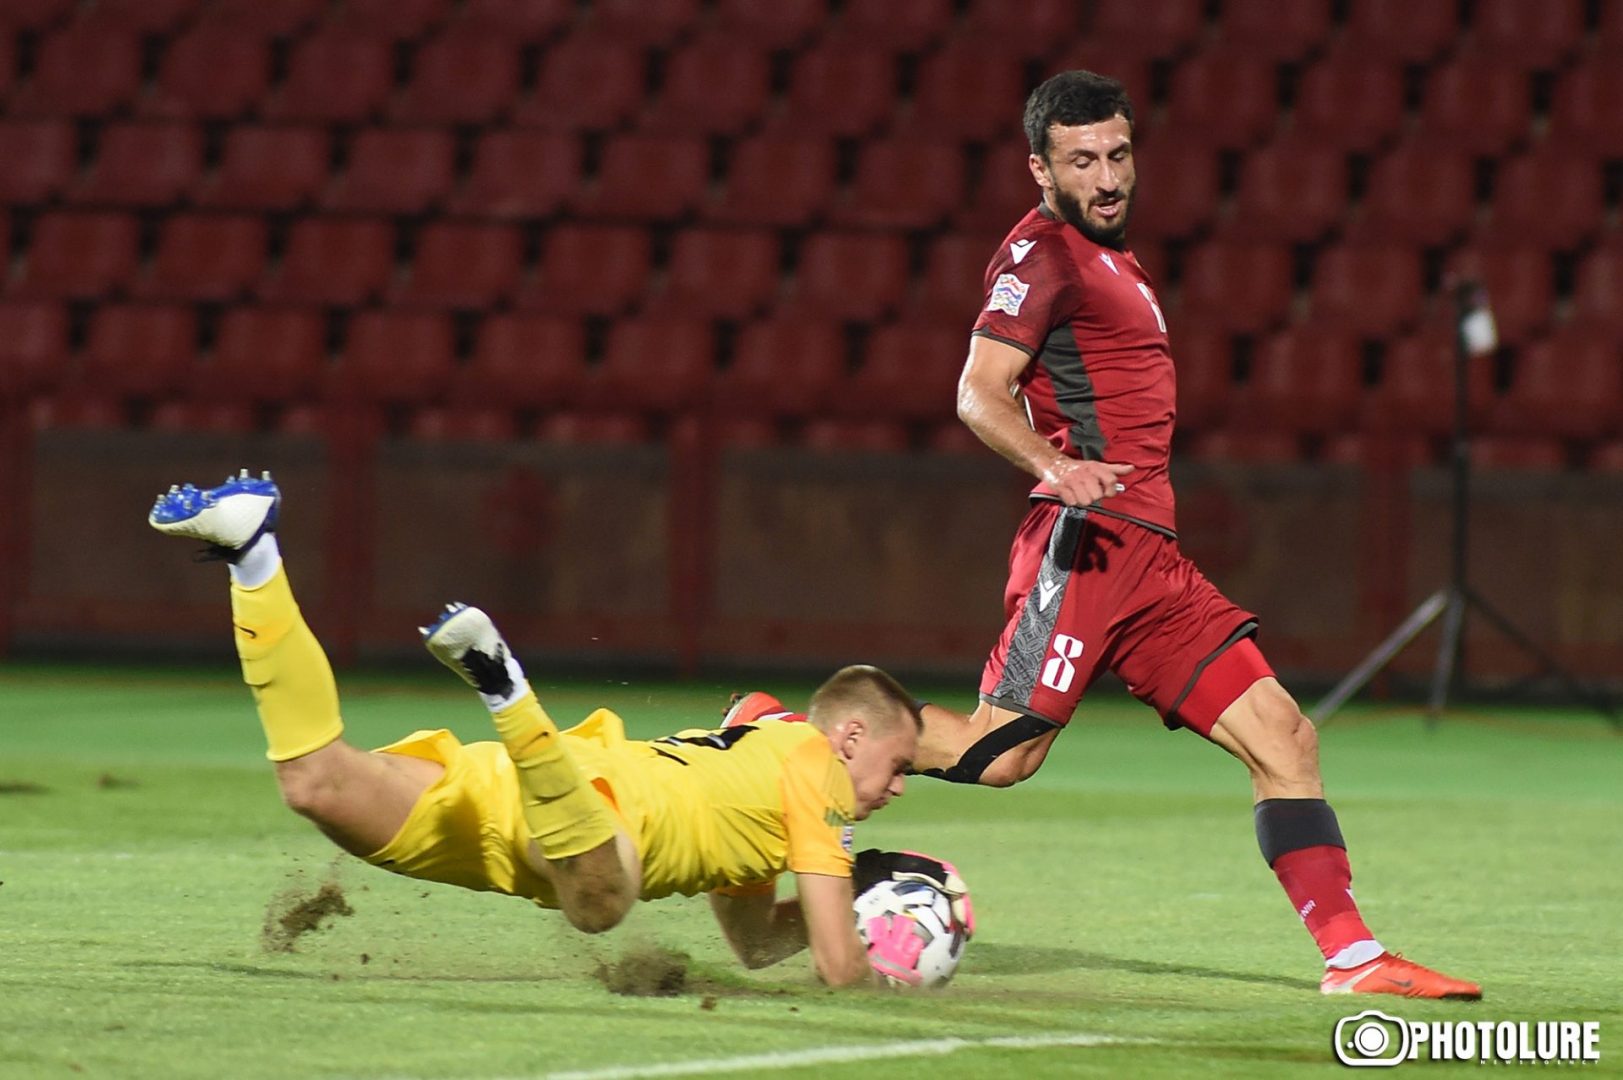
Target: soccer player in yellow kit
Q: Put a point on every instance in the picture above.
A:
(584, 821)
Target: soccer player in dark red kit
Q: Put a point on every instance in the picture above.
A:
(1070, 377)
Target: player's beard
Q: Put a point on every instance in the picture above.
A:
(1113, 235)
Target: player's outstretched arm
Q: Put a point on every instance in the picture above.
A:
(987, 406)
(831, 930)
(761, 929)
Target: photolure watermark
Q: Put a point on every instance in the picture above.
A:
(1377, 1038)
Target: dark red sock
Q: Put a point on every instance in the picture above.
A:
(1319, 882)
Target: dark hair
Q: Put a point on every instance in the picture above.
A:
(874, 694)
(1071, 98)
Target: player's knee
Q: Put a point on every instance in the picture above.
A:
(593, 910)
(1292, 742)
(307, 789)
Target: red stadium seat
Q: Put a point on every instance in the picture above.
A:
(827, 435)
(719, 273)
(335, 76)
(1224, 99)
(1203, 355)
(146, 16)
(1177, 190)
(1161, 29)
(33, 347)
(395, 172)
(8, 64)
(142, 350)
(910, 371)
(1596, 288)
(1416, 388)
(205, 417)
(262, 354)
(952, 288)
(459, 79)
(474, 424)
(625, 188)
(80, 255)
(1417, 194)
(651, 22)
(953, 439)
(328, 261)
(1349, 101)
(1005, 193)
(396, 19)
(82, 70)
(526, 362)
(516, 20)
(1246, 445)
(284, 18)
(267, 169)
(1274, 31)
(395, 357)
(784, 368)
(1569, 386)
(734, 431)
(886, 192)
(586, 429)
(76, 410)
(713, 85)
(1291, 190)
(142, 165)
(772, 180)
(659, 364)
(1477, 105)
(212, 72)
(1370, 289)
(1520, 454)
(1376, 452)
(589, 270)
(849, 276)
(587, 83)
(519, 174)
(1584, 109)
(781, 25)
(1557, 199)
(1037, 28)
(1304, 382)
(1400, 29)
(205, 257)
(1527, 36)
(40, 159)
(838, 87)
(1609, 29)
(34, 14)
(966, 90)
(462, 265)
(898, 25)
(1243, 287)
(1520, 283)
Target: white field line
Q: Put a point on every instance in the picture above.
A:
(827, 1055)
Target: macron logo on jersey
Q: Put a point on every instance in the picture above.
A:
(1008, 293)
(1104, 257)
(1020, 249)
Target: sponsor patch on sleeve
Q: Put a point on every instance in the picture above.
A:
(848, 838)
(1008, 293)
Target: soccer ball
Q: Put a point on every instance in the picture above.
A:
(915, 918)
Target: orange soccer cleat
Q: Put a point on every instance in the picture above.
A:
(748, 708)
(1390, 973)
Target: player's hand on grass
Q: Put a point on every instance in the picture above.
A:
(1083, 483)
(873, 865)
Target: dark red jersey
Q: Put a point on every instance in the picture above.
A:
(1100, 384)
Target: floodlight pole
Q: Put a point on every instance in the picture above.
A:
(1474, 336)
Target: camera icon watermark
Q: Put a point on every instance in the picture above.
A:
(1373, 1037)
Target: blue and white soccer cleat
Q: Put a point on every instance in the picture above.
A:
(228, 518)
(465, 640)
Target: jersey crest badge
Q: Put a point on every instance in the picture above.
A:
(1020, 249)
(1008, 293)
(848, 836)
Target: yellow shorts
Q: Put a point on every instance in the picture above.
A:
(468, 827)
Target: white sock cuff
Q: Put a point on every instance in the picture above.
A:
(497, 702)
(1359, 952)
(258, 564)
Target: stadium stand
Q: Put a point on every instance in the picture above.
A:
(40, 159)
(205, 258)
(267, 168)
(463, 78)
(211, 72)
(336, 261)
(713, 86)
(518, 174)
(141, 165)
(588, 270)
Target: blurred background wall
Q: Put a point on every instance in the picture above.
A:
(638, 321)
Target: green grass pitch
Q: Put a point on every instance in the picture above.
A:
(1120, 894)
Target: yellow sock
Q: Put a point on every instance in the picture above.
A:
(284, 666)
(565, 814)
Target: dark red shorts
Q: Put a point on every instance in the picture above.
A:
(1088, 593)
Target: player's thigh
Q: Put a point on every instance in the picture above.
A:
(360, 798)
